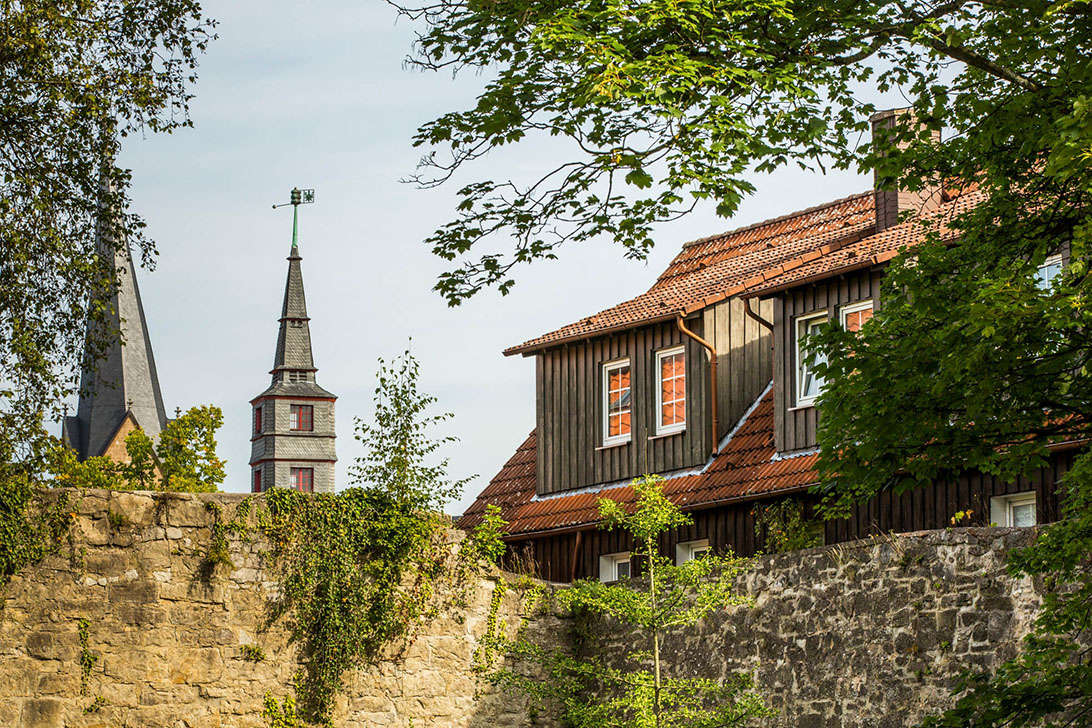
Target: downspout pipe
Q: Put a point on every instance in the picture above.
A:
(712, 371)
(752, 314)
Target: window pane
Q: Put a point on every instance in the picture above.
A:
(1023, 515)
(854, 320)
(618, 401)
(621, 569)
(810, 384)
(672, 390)
(1048, 271)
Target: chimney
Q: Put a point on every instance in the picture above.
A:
(891, 201)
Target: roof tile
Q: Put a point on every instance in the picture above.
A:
(745, 467)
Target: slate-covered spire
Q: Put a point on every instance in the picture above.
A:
(294, 339)
(123, 384)
(293, 437)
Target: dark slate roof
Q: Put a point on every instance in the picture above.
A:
(294, 338)
(295, 389)
(125, 380)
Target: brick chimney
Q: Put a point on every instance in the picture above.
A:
(890, 202)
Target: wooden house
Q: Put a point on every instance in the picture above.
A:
(700, 379)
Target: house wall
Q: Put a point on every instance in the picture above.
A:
(569, 411)
(569, 386)
(794, 427)
(732, 526)
(744, 357)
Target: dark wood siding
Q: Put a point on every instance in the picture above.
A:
(794, 428)
(569, 405)
(744, 357)
(569, 416)
(732, 526)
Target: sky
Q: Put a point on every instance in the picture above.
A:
(316, 95)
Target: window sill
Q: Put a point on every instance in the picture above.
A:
(806, 405)
(611, 445)
(663, 435)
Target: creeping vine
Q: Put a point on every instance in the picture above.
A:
(359, 570)
(87, 658)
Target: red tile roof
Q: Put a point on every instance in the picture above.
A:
(745, 468)
(713, 269)
(865, 252)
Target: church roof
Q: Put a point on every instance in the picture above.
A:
(124, 381)
(294, 339)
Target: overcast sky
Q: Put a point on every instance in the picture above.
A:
(316, 95)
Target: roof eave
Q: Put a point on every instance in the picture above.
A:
(705, 505)
(535, 348)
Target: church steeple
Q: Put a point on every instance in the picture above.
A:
(293, 419)
(119, 391)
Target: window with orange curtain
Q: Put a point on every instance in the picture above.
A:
(618, 404)
(671, 394)
(855, 315)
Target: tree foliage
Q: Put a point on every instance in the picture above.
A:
(643, 689)
(76, 78)
(659, 105)
(399, 453)
(184, 460)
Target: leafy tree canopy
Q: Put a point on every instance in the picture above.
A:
(76, 77)
(666, 103)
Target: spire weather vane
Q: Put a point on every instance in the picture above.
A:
(299, 197)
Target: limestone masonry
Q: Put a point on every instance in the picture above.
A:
(862, 634)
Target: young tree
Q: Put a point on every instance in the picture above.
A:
(78, 77)
(399, 454)
(645, 690)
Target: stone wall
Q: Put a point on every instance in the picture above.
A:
(168, 639)
(863, 634)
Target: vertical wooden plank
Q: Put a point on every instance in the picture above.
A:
(782, 383)
(639, 427)
(725, 370)
(540, 456)
(546, 437)
(595, 388)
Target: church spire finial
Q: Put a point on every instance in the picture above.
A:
(299, 197)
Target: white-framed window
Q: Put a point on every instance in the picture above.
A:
(690, 550)
(1048, 271)
(671, 394)
(808, 384)
(854, 315)
(617, 402)
(1014, 510)
(613, 567)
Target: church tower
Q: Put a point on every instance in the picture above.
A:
(292, 445)
(120, 391)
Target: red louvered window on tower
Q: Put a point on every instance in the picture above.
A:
(257, 420)
(303, 479)
(257, 486)
(302, 418)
